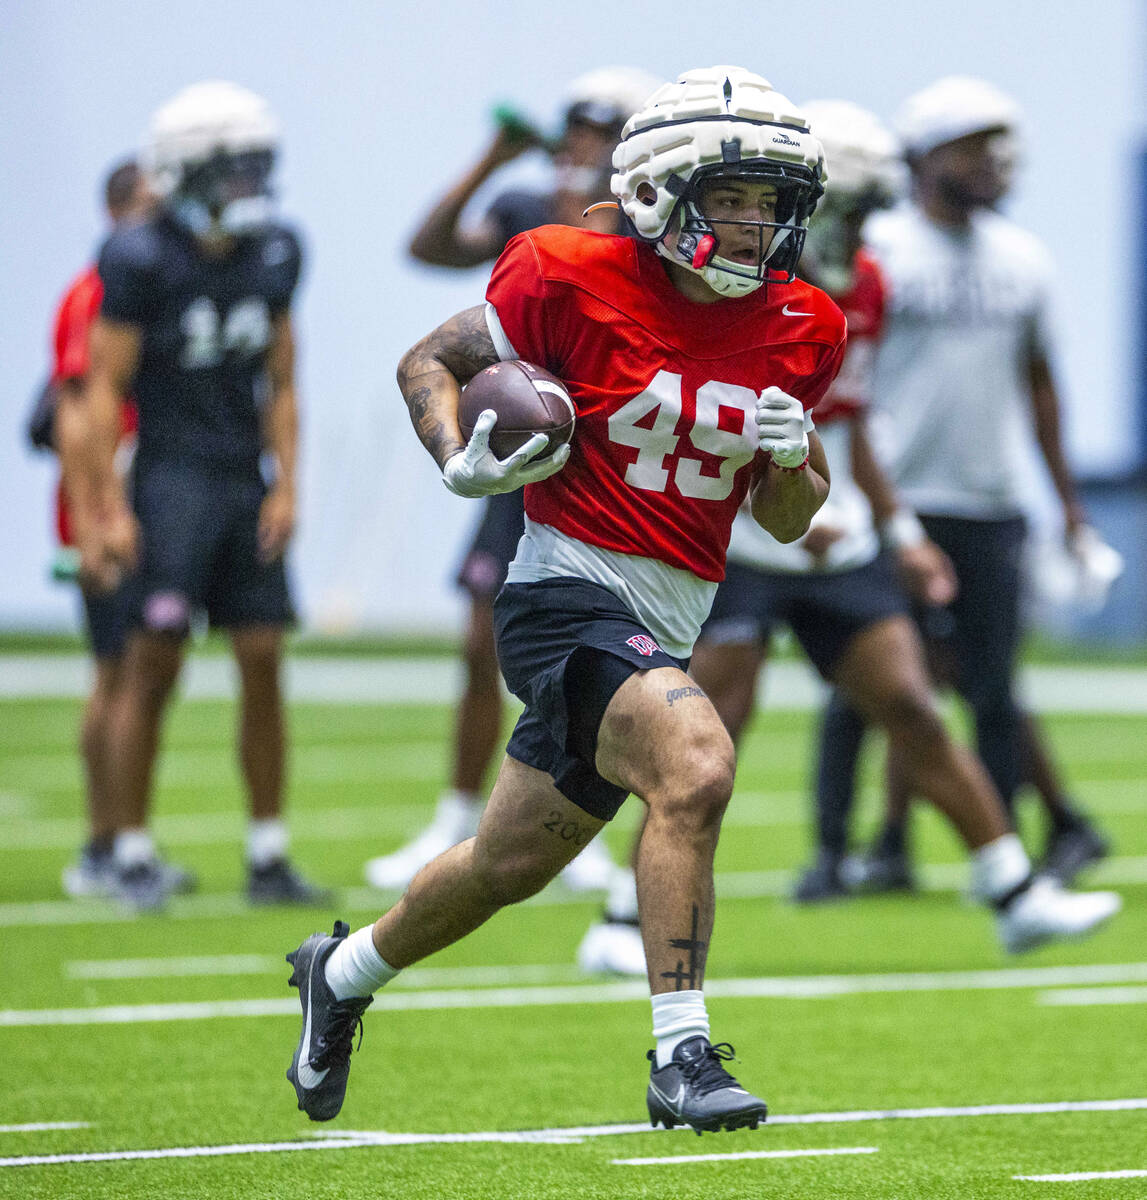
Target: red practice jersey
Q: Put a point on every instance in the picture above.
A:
(70, 340)
(665, 388)
(863, 308)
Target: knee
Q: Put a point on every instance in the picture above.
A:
(511, 878)
(911, 719)
(695, 798)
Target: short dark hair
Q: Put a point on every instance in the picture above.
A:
(120, 185)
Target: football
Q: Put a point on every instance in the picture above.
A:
(527, 400)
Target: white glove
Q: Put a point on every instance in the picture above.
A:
(780, 427)
(476, 472)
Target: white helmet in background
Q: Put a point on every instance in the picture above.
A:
(209, 152)
(952, 108)
(867, 173)
(718, 122)
(608, 96)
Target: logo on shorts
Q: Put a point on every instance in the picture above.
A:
(166, 612)
(643, 644)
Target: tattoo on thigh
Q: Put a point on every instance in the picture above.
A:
(691, 977)
(567, 830)
(684, 693)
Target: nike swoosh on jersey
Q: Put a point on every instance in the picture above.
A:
(309, 1077)
(792, 312)
(674, 1102)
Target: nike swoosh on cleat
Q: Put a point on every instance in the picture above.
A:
(308, 1077)
(674, 1102)
(792, 312)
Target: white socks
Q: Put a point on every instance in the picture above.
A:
(999, 868)
(678, 1016)
(355, 967)
(132, 847)
(266, 842)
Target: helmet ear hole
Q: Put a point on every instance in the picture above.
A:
(646, 194)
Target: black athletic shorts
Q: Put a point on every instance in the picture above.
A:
(200, 549)
(825, 611)
(107, 619)
(483, 570)
(540, 629)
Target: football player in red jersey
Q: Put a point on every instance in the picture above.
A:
(693, 357)
(839, 594)
(126, 199)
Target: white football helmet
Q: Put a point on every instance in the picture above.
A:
(209, 152)
(609, 95)
(868, 172)
(718, 122)
(952, 108)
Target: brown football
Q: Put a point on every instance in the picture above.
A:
(527, 400)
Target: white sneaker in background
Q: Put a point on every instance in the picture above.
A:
(454, 821)
(614, 947)
(592, 871)
(1046, 912)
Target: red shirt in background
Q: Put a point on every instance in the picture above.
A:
(74, 318)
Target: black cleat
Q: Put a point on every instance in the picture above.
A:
(822, 881)
(321, 1063)
(694, 1089)
(143, 886)
(1070, 850)
(879, 871)
(279, 883)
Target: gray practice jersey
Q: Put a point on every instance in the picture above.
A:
(965, 312)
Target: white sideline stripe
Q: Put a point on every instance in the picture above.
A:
(731, 885)
(1090, 996)
(354, 1139)
(43, 1160)
(45, 1126)
(1083, 1176)
(775, 987)
(222, 965)
(696, 1158)
(436, 680)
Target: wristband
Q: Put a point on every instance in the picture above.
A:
(902, 530)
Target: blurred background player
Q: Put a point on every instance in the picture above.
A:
(963, 375)
(839, 594)
(596, 107)
(195, 323)
(59, 417)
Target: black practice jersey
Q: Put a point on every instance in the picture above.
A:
(206, 325)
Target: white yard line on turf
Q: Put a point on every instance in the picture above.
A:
(1088, 996)
(624, 991)
(698, 1158)
(731, 885)
(1083, 1176)
(45, 1126)
(356, 1139)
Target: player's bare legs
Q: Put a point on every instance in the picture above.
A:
(883, 673)
(478, 719)
(727, 672)
(95, 746)
(662, 739)
(528, 833)
(262, 742)
(151, 667)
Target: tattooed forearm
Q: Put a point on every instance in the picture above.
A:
(683, 693)
(431, 375)
(688, 978)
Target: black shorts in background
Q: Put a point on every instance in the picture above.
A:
(107, 619)
(199, 524)
(825, 611)
(539, 627)
(483, 570)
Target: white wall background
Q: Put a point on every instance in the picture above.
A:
(384, 105)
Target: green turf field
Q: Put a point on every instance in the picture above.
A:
(883, 1007)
